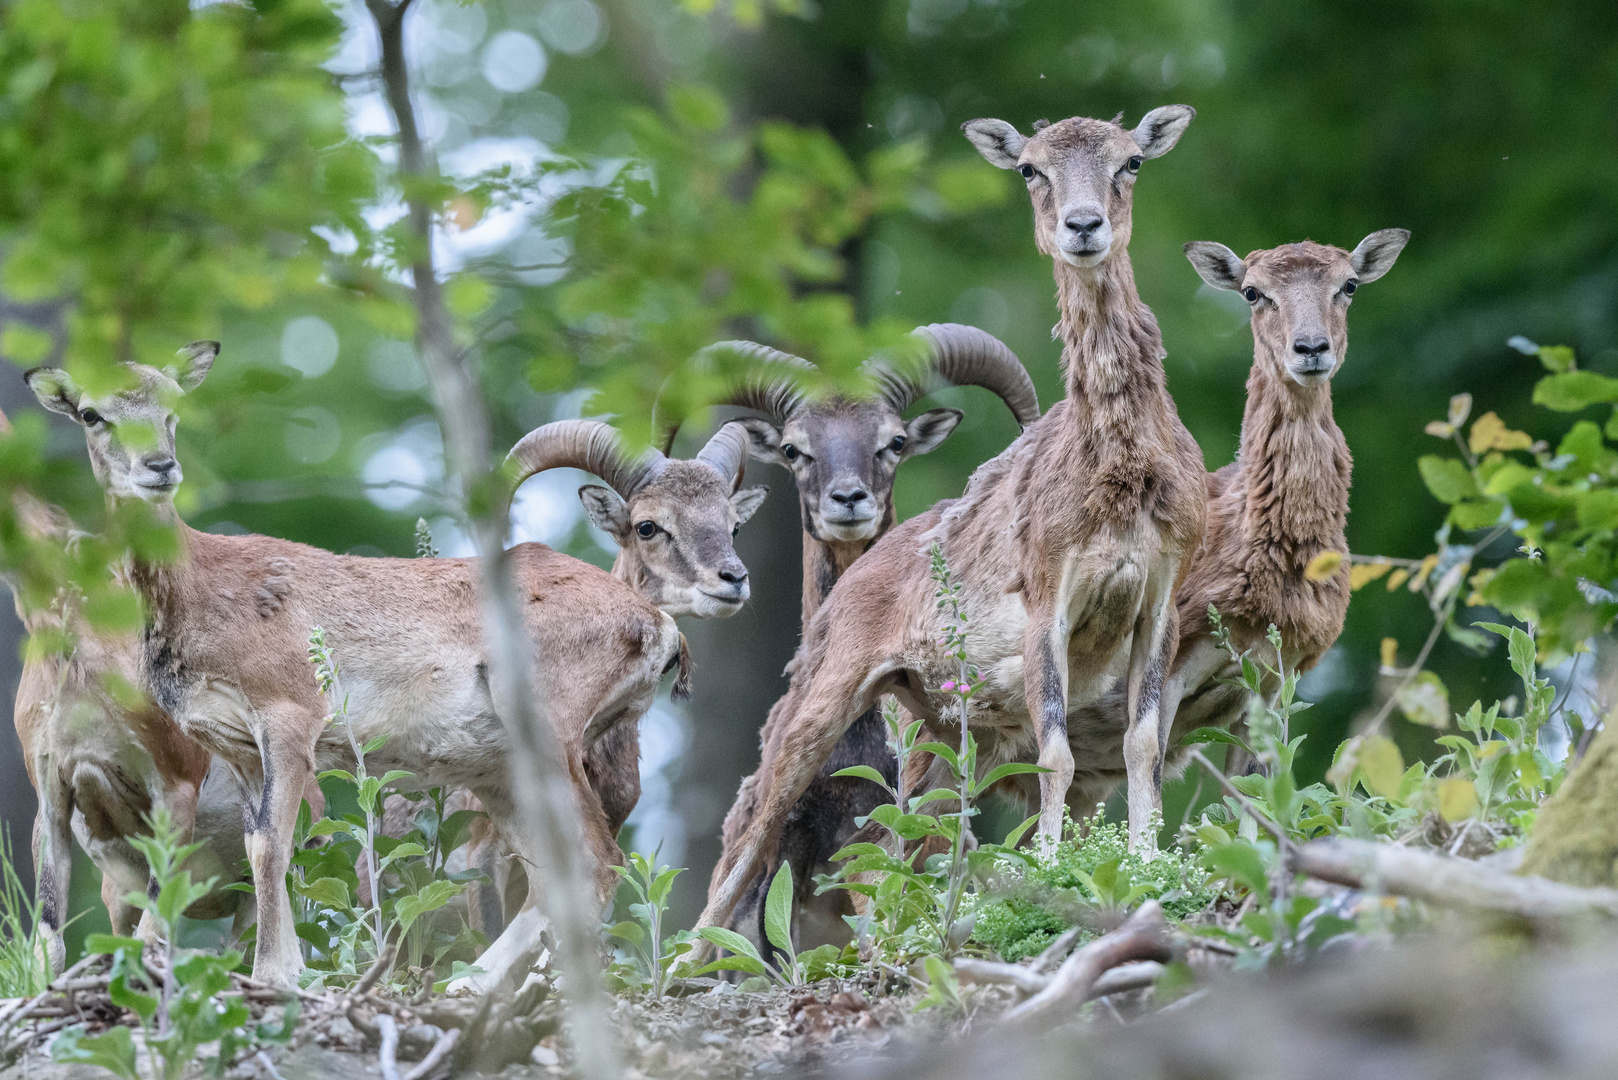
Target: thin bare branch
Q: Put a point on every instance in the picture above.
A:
(542, 794)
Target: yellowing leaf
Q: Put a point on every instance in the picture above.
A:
(1460, 407)
(1491, 433)
(1381, 764)
(1397, 578)
(1425, 701)
(1457, 799)
(1323, 567)
(1390, 652)
(1361, 574)
(1439, 429)
(1426, 568)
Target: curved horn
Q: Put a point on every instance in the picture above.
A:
(589, 445)
(963, 356)
(767, 387)
(726, 453)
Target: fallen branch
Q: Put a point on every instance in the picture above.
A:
(1448, 881)
(1021, 976)
(1134, 976)
(1057, 951)
(440, 1051)
(20, 1014)
(1126, 977)
(390, 1046)
(1141, 937)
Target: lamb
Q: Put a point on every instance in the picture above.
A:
(223, 649)
(1068, 546)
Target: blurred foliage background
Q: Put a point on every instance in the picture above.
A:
(627, 180)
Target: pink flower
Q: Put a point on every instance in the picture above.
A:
(949, 686)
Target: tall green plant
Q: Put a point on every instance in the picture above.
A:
(25, 968)
(182, 999)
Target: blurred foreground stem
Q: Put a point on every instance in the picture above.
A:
(544, 798)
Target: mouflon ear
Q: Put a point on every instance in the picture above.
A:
(1161, 128)
(193, 363)
(1375, 254)
(606, 510)
(764, 440)
(996, 140)
(1216, 264)
(747, 501)
(925, 433)
(55, 390)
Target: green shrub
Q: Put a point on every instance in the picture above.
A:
(1090, 871)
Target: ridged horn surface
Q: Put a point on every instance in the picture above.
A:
(963, 356)
(589, 445)
(767, 387)
(726, 453)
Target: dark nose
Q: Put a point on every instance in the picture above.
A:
(1310, 347)
(161, 464)
(733, 575)
(1084, 221)
(849, 496)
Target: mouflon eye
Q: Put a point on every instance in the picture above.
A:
(790, 452)
(897, 444)
(646, 530)
(1027, 171)
(1250, 294)
(90, 417)
(1134, 163)
(1349, 287)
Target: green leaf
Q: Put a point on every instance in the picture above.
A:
(941, 750)
(1424, 700)
(113, 1050)
(403, 851)
(746, 957)
(857, 850)
(662, 884)
(111, 943)
(1381, 764)
(1448, 479)
(629, 931)
(329, 827)
(1573, 390)
(1014, 837)
(865, 772)
(778, 910)
(698, 108)
(938, 794)
(430, 898)
(1240, 862)
(329, 891)
(1210, 735)
(1010, 768)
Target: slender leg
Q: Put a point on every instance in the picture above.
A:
(53, 863)
(287, 761)
(508, 958)
(1145, 740)
(839, 690)
(1045, 677)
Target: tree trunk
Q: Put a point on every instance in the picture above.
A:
(1575, 839)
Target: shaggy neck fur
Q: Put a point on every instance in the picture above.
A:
(1286, 502)
(1112, 356)
(824, 561)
